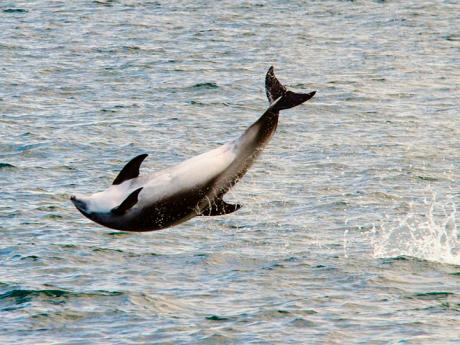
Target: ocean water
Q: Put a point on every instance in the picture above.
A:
(349, 230)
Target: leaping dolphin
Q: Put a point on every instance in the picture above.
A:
(192, 188)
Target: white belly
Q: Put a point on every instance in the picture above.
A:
(191, 173)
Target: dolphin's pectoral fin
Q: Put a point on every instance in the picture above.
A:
(219, 207)
(129, 202)
(131, 170)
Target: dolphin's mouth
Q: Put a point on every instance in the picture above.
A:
(81, 205)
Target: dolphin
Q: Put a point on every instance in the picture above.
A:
(192, 188)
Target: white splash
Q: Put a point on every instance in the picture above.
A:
(345, 244)
(432, 236)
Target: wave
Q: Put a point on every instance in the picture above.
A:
(6, 165)
(21, 296)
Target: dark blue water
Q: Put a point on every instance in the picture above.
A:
(348, 234)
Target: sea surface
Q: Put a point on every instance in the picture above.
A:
(349, 233)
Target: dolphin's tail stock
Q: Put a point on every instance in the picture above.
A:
(279, 96)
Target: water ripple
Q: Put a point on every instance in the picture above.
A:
(338, 238)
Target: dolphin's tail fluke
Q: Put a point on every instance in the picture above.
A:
(273, 88)
(284, 98)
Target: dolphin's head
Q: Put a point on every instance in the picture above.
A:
(94, 207)
(112, 207)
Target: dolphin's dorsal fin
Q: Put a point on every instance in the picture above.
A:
(219, 207)
(129, 202)
(131, 170)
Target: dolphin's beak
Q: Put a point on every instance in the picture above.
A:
(81, 205)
